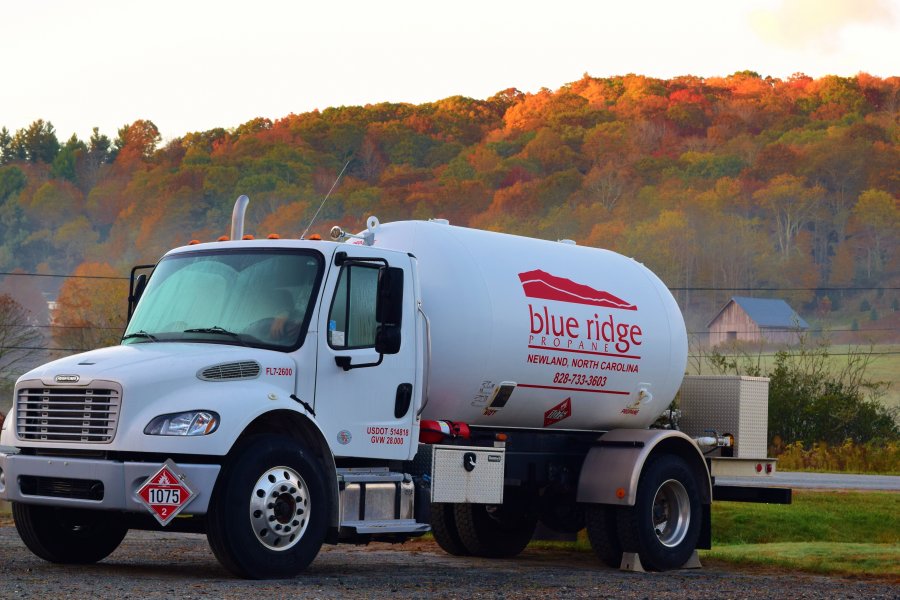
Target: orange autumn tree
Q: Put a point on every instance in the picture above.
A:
(91, 308)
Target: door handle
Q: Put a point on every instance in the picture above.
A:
(403, 399)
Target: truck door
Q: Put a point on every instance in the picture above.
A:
(364, 400)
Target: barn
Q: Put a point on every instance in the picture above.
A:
(766, 320)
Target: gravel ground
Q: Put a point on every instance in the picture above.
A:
(160, 565)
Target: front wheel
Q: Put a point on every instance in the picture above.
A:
(663, 526)
(268, 516)
(68, 535)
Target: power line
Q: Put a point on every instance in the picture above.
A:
(781, 289)
(793, 330)
(62, 276)
(673, 289)
(751, 356)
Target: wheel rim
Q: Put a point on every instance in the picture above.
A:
(671, 513)
(279, 508)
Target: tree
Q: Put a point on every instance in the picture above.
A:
(90, 309)
(20, 341)
(136, 141)
(35, 143)
(54, 203)
(792, 206)
(875, 229)
(5, 143)
(64, 165)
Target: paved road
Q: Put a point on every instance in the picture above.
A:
(822, 481)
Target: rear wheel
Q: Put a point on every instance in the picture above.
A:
(68, 535)
(600, 521)
(268, 516)
(495, 530)
(663, 526)
(443, 526)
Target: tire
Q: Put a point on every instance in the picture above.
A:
(495, 530)
(68, 535)
(664, 524)
(602, 530)
(443, 527)
(269, 511)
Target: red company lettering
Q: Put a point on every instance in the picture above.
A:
(624, 336)
(553, 325)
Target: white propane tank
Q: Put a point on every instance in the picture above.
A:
(539, 334)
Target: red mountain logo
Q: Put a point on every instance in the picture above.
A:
(558, 412)
(543, 285)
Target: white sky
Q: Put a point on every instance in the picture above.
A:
(192, 65)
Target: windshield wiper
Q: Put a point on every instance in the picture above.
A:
(218, 330)
(140, 334)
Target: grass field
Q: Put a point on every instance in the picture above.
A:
(845, 533)
(837, 533)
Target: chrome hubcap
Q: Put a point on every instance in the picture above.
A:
(279, 508)
(671, 513)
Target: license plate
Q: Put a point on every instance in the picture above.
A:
(166, 493)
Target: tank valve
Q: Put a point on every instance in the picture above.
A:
(715, 441)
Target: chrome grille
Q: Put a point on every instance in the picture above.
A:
(247, 369)
(84, 415)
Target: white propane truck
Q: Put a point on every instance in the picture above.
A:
(279, 394)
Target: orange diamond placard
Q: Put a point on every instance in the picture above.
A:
(166, 493)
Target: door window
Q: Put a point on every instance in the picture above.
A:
(351, 322)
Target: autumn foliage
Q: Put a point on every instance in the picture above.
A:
(737, 181)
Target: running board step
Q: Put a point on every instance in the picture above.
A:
(388, 526)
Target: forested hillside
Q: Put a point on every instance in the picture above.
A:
(725, 183)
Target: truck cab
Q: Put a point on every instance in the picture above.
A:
(313, 346)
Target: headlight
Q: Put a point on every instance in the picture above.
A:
(195, 422)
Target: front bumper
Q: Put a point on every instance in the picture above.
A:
(120, 482)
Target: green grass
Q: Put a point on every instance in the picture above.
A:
(845, 517)
(841, 533)
(836, 533)
(829, 558)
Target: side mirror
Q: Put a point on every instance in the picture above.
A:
(137, 285)
(387, 339)
(389, 305)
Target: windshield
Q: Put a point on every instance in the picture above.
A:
(259, 297)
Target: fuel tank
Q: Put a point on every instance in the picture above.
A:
(538, 334)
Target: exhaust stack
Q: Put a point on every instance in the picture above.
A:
(237, 217)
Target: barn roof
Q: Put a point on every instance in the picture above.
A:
(767, 312)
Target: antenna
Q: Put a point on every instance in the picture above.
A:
(325, 199)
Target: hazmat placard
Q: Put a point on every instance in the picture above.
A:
(166, 493)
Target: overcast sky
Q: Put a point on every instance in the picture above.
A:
(192, 65)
